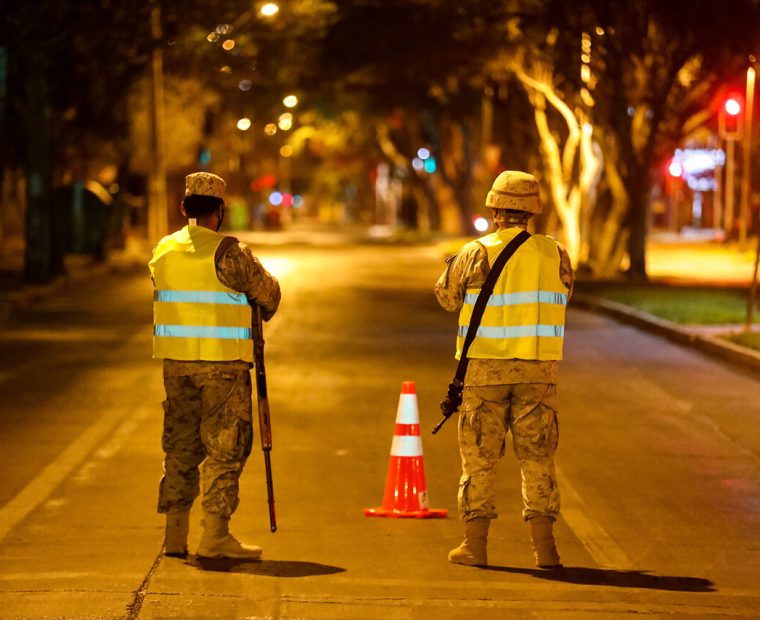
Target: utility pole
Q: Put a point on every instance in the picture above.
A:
(158, 224)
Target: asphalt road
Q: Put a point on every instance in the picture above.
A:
(659, 465)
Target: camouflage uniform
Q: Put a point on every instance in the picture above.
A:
(208, 411)
(501, 396)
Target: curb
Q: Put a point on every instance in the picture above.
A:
(77, 270)
(734, 354)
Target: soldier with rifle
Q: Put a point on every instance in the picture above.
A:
(211, 294)
(510, 289)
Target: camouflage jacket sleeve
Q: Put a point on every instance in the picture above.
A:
(467, 269)
(238, 269)
(566, 273)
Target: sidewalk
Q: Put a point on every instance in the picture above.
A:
(700, 338)
(15, 293)
(686, 260)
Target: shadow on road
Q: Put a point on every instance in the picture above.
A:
(269, 568)
(614, 578)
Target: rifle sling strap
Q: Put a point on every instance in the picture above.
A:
(482, 300)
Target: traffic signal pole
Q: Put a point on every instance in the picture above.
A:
(730, 158)
(730, 129)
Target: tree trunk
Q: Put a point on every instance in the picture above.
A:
(451, 181)
(449, 210)
(636, 223)
(607, 242)
(42, 261)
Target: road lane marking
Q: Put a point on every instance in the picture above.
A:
(605, 551)
(115, 442)
(38, 490)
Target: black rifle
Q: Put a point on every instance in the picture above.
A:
(453, 400)
(265, 423)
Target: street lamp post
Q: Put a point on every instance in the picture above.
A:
(752, 296)
(746, 156)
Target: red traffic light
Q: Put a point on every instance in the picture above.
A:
(731, 117)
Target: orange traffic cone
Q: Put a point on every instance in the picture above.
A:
(405, 488)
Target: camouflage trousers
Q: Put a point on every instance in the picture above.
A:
(487, 414)
(207, 420)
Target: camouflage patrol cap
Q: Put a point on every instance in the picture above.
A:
(204, 184)
(516, 190)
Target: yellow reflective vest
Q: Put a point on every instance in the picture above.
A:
(525, 315)
(196, 317)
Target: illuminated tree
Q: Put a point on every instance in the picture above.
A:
(641, 76)
(572, 169)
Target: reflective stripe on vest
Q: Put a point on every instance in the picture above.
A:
(513, 299)
(195, 316)
(517, 331)
(199, 331)
(525, 316)
(201, 297)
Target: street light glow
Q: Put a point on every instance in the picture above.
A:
(229, 44)
(285, 121)
(733, 107)
(480, 224)
(244, 124)
(291, 101)
(270, 9)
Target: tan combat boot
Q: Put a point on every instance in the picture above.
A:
(175, 535)
(544, 550)
(217, 542)
(472, 551)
